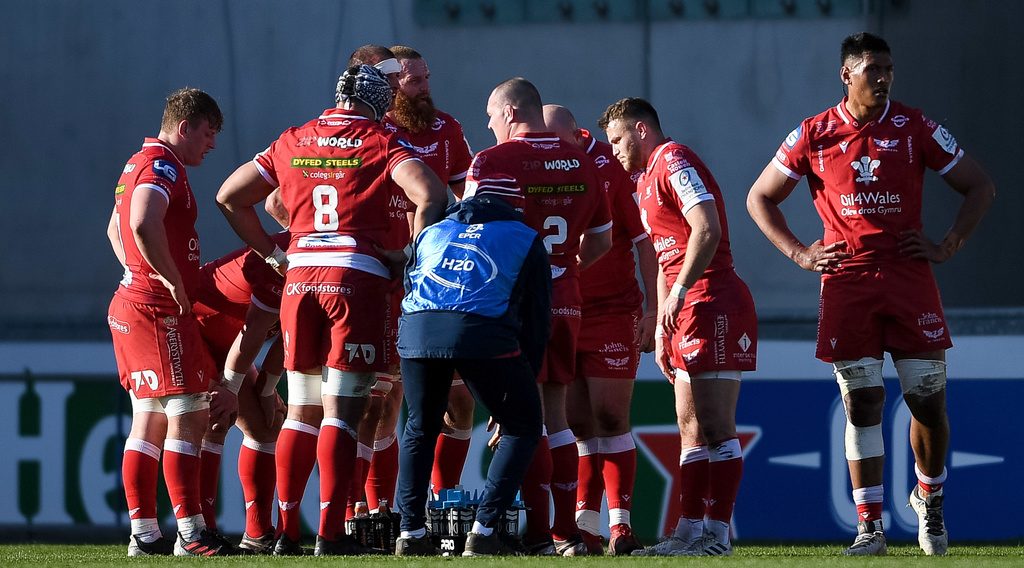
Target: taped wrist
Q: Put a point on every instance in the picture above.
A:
(271, 385)
(232, 381)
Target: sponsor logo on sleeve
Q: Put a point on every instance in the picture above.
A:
(945, 139)
(688, 184)
(794, 137)
(165, 169)
(119, 189)
(128, 168)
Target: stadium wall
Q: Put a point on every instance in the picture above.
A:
(84, 82)
(63, 420)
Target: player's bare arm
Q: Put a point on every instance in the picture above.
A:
(771, 189)
(243, 352)
(115, 238)
(705, 232)
(148, 209)
(969, 180)
(647, 259)
(237, 196)
(274, 207)
(593, 246)
(424, 189)
(266, 382)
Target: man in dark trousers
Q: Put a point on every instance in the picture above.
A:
(478, 301)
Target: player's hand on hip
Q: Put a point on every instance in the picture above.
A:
(916, 245)
(661, 357)
(223, 408)
(818, 257)
(645, 331)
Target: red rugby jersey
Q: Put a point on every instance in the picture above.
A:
(564, 198)
(335, 178)
(675, 181)
(610, 285)
(156, 168)
(866, 179)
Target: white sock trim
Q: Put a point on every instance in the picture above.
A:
(300, 427)
(589, 521)
(265, 447)
(143, 447)
(873, 494)
(213, 448)
(693, 454)
(384, 443)
(618, 517)
(180, 447)
(480, 529)
(617, 444)
(930, 480)
(341, 424)
(727, 450)
(418, 533)
(364, 452)
(559, 439)
(588, 447)
(459, 434)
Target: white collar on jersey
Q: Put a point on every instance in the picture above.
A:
(847, 120)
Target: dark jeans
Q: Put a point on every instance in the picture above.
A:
(507, 388)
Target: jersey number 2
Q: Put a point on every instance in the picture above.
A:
(325, 202)
(561, 232)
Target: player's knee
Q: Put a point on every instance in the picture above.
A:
(611, 420)
(861, 385)
(304, 390)
(348, 384)
(921, 378)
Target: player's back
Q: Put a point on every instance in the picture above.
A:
(230, 283)
(564, 197)
(334, 177)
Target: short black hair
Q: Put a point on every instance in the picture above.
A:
(860, 43)
(630, 108)
(369, 54)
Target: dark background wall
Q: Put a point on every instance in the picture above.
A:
(81, 83)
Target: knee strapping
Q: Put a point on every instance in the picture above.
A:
(921, 377)
(382, 386)
(861, 374)
(863, 442)
(304, 390)
(348, 383)
(179, 404)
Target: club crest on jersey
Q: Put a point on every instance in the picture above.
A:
(865, 168)
(886, 145)
(165, 169)
(794, 137)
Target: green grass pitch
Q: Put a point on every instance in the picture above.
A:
(36, 555)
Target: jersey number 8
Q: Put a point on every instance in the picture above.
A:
(325, 202)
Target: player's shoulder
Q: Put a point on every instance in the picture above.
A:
(673, 156)
(158, 163)
(902, 115)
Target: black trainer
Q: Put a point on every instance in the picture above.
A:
(346, 545)
(159, 547)
(288, 547)
(416, 546)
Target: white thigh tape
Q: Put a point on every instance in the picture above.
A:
(860, 374)
(921, 377)
(304, 390)
(348, 383)
(145, 404)
(179, 404)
